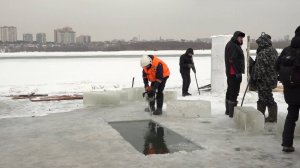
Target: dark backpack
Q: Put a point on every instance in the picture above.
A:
(289, 71)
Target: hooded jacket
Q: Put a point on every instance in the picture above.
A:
(234, 55)
(291, 93)
(185, 60)
(264, 72)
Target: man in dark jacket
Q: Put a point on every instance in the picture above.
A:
(186, 63)
(288, 64)
(235, 67)
(264, 76)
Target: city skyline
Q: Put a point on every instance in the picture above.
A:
(174, 19)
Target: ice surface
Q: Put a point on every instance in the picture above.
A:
(189, 109)
(222, 143)
(102, 98)
(218, 76)
(280, 124)
(170, 95)
(249, 119)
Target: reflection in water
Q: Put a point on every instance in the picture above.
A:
(148, 137)
(154, 140)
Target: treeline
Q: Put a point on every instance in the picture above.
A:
(118, 45)
(276, 44)
(106, 46)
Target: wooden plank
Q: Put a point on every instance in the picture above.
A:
(56, 98)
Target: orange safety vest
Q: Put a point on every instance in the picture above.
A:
(151, 72)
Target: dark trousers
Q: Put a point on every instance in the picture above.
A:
(159, 94)
(289, 125)
(186, 81)
(233, 88)
(265, 95)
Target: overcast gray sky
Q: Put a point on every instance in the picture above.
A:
(150, 19)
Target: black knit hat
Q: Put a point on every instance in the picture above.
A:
(297, 32)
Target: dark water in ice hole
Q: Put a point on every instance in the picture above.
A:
(149, 137)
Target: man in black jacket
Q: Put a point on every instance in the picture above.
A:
(186, 63)
(235, 67)
(288, 66)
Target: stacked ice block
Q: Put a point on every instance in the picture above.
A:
(188, 108)
(170, 95)
(107, 98)
(249, 119)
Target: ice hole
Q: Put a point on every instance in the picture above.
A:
(148, 137)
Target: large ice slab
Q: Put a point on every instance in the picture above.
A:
(249, 119)
(170, 95)
(218, 77)
(189, 108)
(280, 125)
(104, 98)
(133, 94)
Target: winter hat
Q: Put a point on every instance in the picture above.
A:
(264, 40)
(297, 32)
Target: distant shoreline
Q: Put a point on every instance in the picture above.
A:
(105, 54)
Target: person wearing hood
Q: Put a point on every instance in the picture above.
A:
(235, 67)
(288, 67)
(186, 63)
(265, 75)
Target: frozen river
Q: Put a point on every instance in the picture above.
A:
(61, 75)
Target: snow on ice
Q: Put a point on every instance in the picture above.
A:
(89, 141)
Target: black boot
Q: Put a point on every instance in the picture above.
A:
(158, 111)
(272, 113)
(288, 149)
(186, 94)
(261, 107)
(226, 106)
(231, 106)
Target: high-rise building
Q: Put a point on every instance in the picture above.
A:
(41, 38)
(64, 36)
(8, 34)
(27, 37)
(83, 39)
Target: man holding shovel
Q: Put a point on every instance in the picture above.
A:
(186, 63)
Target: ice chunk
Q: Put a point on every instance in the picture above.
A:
(124, 95)
(104, 98)
(170, 95)
(249, 119)
(280, 125)
(133, 94)
(218, 79)
(189, 108)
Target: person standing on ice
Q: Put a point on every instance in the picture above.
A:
(288, 67)
(186, 63)
(157, 72)
(235, 67)
(264, 76)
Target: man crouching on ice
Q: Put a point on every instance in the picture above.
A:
(157, 72)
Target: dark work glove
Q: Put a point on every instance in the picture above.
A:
(238, 76)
